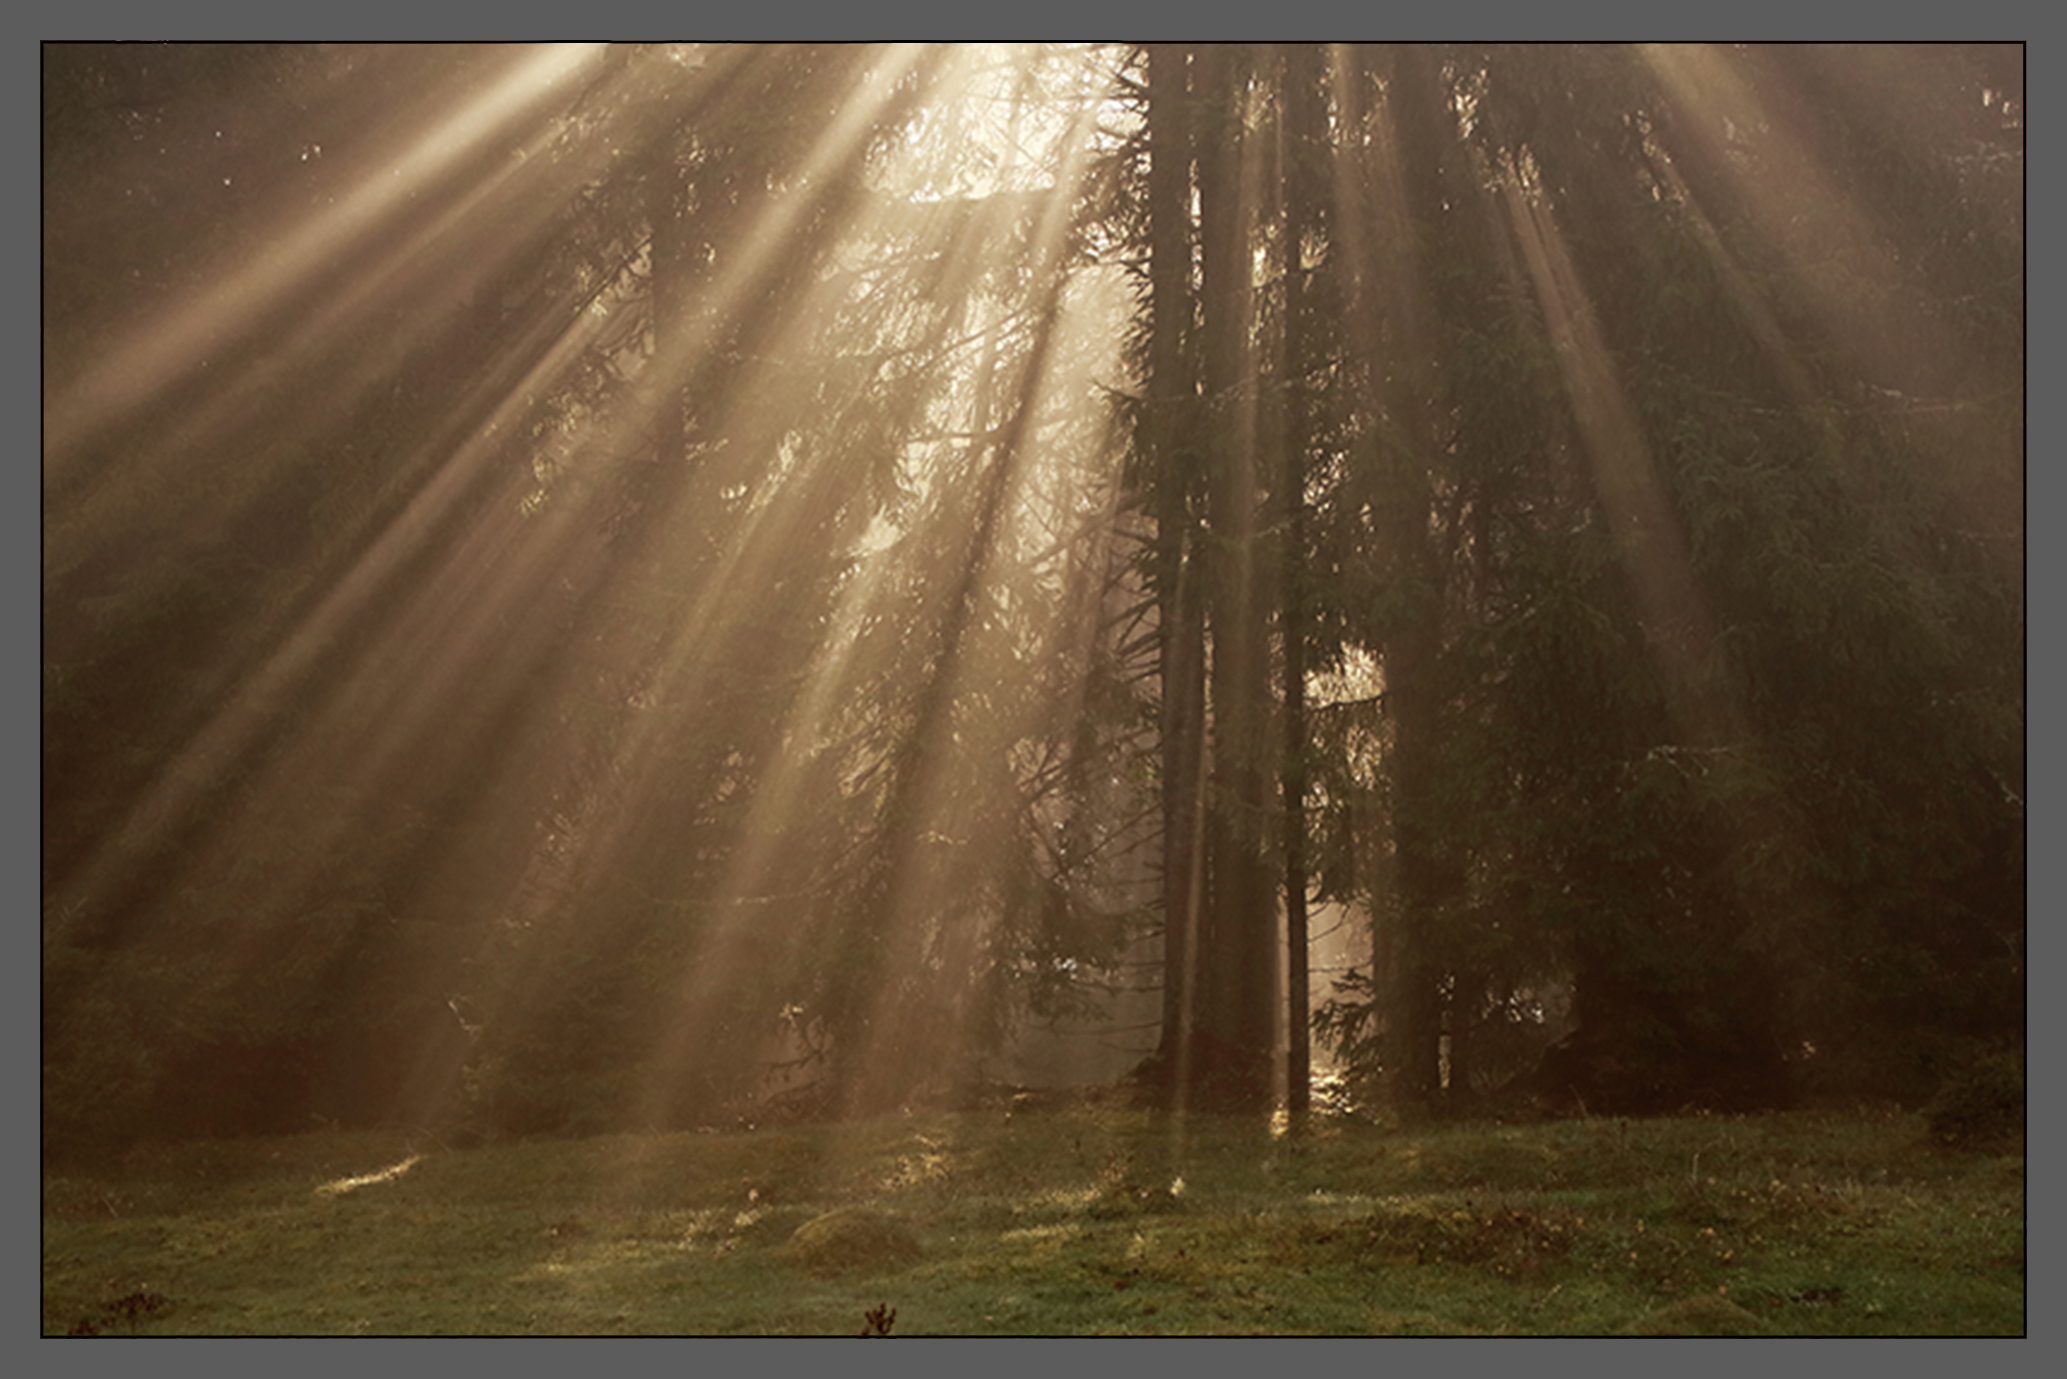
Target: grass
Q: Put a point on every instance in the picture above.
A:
(1085, 1220)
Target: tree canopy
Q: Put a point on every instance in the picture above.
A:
(634, 585)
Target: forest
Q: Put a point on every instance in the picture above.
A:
(613, 589)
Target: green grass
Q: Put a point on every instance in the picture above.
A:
(1079, 1221)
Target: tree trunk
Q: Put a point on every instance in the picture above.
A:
(1180, 620)
(1237, 1033)
(1390, 334)
(1300, 128)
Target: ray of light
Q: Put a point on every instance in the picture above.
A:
(1793, 198)
(864, 602)
(458, 613)
(226, 312)
(916, 901)
(430, 509)
(236, 780)
(761, 539)
(1922, 382)
(191, 480)
(1633, 497)
(442, 645)
(676, 668)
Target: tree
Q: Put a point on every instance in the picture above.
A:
(1513, 262)
(646, 596)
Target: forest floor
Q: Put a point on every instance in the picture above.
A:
(1074, 1220)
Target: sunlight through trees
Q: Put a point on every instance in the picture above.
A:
(624, 586)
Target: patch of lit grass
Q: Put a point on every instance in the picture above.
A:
(1080, 1220)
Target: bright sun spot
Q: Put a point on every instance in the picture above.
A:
(337, 1187)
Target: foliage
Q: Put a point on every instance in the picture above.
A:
(827, 386)
(1981, 1105)
(1691, 813)
(691, 590)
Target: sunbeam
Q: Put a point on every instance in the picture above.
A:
(1647, 530)
(624, 589)
(1917, 372)
(221, 319)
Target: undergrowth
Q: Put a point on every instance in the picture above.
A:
(1080, 1220)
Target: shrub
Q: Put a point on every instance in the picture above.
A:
(1980, 1107)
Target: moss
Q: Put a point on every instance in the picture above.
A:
(1703, 1314)
(853, 1238)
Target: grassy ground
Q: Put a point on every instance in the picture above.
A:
(1074, 1221)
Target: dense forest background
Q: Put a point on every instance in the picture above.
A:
(635, 586)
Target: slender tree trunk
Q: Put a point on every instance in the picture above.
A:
(1418, 113)
(1240, 958)
(1300, 128)
(1181, 658)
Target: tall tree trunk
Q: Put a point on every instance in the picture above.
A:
(1300, 128)
(1421, 125)
(1390, 334)
(1237, 1035)
(1180, 612)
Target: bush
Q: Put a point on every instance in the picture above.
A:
(103, 1053)
(1981, 1107)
